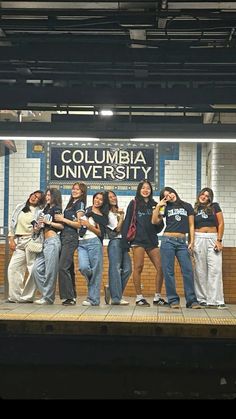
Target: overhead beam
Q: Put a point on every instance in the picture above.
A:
(18, 97)
(108, 129)
(104, 52)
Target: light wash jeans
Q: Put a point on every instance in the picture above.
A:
(91, 265)
(171, 247)
(45, 269)
(120, 269)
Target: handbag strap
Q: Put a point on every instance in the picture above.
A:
(133, 219)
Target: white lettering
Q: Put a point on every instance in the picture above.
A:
(140, 158)
(146, 171)
(63, 156)
(57, 174)
(108, 171)
(95, 174)
(80, 157)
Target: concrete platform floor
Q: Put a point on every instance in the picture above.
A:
(112, 319)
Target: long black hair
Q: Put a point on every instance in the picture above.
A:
(106, 199)
(178, 201)
(139, 198)
(40, 203)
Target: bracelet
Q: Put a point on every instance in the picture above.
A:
(219, 240)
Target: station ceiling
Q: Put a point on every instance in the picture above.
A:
(137, 56)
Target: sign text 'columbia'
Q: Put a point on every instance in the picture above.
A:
(102, 164)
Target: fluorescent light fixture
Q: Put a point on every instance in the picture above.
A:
(30, 137)
(184, 140)
(106, 112)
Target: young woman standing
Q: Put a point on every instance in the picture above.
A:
(22, 289)
(145, 241)
(179, 222)
(74, 210)
(120, 267)
(209, 231)
(45, 269)
(90, 248)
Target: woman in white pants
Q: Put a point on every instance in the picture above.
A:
(209, 230)
(22, 288)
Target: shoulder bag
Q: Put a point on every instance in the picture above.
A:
(35, 244)
(131, 233)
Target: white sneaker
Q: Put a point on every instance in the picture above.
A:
(42, 301)
(124, 302)
(86, 303)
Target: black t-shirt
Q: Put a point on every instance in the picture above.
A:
(177, 214)
(101, 220)
(52, 211)
(71, 214)
(146, 232)
(203, 219)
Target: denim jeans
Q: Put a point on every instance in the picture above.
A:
(120, 269)
(171, 247)
(45, 269)
(91, 265)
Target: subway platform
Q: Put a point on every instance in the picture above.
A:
(121, 352)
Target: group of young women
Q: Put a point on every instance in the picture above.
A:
(85, 228)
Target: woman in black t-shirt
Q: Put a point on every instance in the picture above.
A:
(179, 222)
(145, 241)
(209, 230)
(74, 210)
(45, 269)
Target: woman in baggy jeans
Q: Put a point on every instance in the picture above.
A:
(120, 266)
(90, 248)
(179, 222)
(45, 269)
(74, 210)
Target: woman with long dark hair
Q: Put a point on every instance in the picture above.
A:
(179, 217)
(22, 289)
(120, 266)
(45, 269)
(90, 247)
(74, 210)
(145, 241)
(209, 231)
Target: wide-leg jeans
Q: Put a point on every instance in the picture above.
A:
(120, 269)
(171, 247)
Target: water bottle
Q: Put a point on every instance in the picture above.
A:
(41, 224)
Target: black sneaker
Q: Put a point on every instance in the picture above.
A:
(160, 302)
(142, 303)
(194, 305)
(107, 294)
(69, 302)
